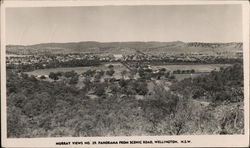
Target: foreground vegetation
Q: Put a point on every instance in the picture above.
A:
(209, 104)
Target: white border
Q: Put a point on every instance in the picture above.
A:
(197, 141)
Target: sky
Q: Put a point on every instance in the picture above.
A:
(188, 23)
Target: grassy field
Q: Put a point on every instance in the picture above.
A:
(16, 55)
(180, 77)
(118, 67)
(198, 68)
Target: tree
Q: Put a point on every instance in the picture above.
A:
(87, 83)
(110, 72)
(32, 78)
(59, 74)
(24, 75)
(166, 74)
(74, 80)
(97, 77)
(70, 74)
(123, 83)
(163, 70)
(42, 77)
(188, 71)
(141, 73)
(141, 88)
(53, 76)
(111, 66)
(101, 73)
(100, 90)
(89, 73)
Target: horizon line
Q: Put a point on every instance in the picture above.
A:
(122, 42)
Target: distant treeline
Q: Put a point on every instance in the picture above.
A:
(54, 64)
(132, 63)
(183, 61)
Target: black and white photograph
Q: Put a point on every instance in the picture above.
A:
(124, 71)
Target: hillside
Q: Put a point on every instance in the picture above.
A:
(154, 48)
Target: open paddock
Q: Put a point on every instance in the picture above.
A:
(201, 68)
(180, 77)
(118, 67)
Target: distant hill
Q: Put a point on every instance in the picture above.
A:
(153, 48)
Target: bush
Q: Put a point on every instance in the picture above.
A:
(111, 66)
(100, 90)
(53, 76)
(70, 74)
(42, 77)
(89, 73)
(110, 72)
(74, 80)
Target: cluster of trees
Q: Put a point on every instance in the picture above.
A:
(44, 109)
(71, 76)
(74, 77)
(148, 74)
(40, 108)
(223, 85)
(131, 87)
(68, 74)
(213, 60)
(166, 61)
(178, 71)
(111, 70)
